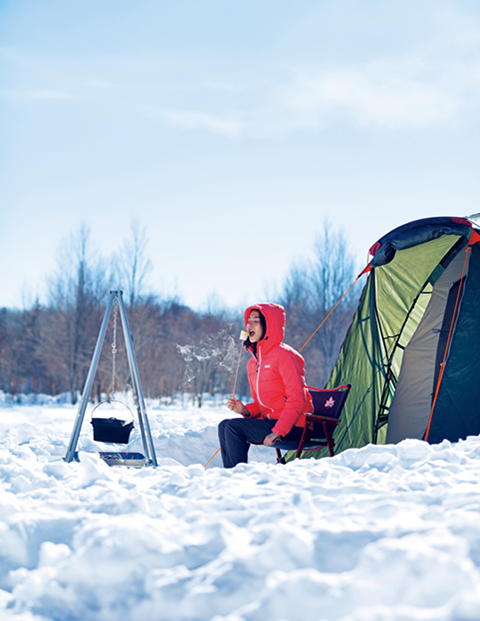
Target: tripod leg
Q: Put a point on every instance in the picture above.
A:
(77, 427)
(147, 440)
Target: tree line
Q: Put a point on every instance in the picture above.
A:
(47, 348)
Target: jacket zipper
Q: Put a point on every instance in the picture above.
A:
(259, 366)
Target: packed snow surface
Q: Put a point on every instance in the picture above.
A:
(380, 533)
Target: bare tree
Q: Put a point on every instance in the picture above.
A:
(77, 292)
(333, 268)
(8, 330)
(49, 347)
(132, 265)
(310, 291)
(333, 271)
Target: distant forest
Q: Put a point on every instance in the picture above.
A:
(48, 347)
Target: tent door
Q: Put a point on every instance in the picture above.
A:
(411, 405)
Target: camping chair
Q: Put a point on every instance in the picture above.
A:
(320, 425)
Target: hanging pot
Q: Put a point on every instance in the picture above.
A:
(113, 430)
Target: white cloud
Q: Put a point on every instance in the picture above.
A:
(222, 86)
(395, 93)
(438, 81)
(193, 120)
(101, 84)
(435, 82)
(56, 95)
(384, 93)
(208, 85)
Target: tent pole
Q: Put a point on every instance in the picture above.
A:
(447, 347)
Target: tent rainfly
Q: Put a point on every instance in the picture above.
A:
(412, 352)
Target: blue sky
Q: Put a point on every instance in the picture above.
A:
(232, 130)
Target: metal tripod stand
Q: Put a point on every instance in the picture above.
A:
(150, 457)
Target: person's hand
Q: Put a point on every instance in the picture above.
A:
(237, 406)
(271, 439)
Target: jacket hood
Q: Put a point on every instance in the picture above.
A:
(275, 319)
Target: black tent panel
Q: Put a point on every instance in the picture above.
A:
(416, 233)
(457, 411)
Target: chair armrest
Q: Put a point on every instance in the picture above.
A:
(320, 419)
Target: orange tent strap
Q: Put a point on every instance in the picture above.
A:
(367, 269)
(474, 238)
(212, 457)
(444, 361)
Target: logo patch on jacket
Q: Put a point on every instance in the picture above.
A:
(267, 366)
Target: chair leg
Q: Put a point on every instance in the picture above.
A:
(329, 439)
(280, 458)
(302, 440)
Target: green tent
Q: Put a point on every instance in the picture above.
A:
(412, 352)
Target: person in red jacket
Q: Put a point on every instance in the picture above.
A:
(276, 373)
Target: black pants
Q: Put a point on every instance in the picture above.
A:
(235, 434)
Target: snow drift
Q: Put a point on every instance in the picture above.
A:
(382, 532)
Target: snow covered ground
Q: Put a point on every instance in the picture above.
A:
(381, 533)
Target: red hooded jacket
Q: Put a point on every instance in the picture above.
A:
(277, 375)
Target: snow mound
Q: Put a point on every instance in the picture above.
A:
(375, 534)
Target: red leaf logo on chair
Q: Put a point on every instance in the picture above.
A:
(330, 403)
